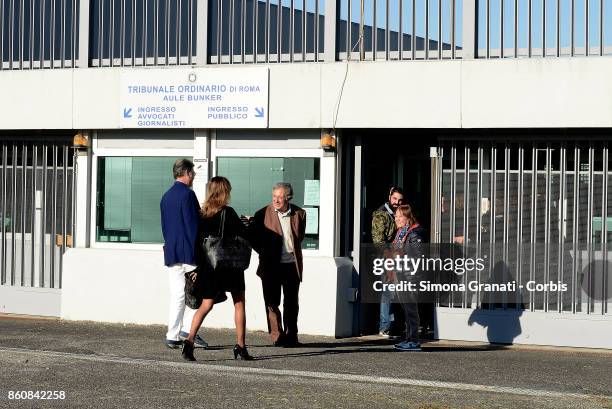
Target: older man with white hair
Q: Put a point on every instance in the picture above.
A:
(276, 233)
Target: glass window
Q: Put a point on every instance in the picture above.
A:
(128, 196)
(252, 180)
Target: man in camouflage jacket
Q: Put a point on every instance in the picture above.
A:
(383, 231)
(383, 218)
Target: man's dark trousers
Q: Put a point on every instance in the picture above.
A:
(285, 277)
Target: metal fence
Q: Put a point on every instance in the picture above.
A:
(251, 31)
(36, 212)
(399, 29)
(38, 33)
(543, 28)
(538, 211)
(45, 33)
(142, 32)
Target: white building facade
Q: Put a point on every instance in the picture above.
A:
(509, 138)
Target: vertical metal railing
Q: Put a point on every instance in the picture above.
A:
(254, 31)
(45, 33)
(557, 193)
(142, 32)
(544, 28)
(36, 211)
(399, 30)
(38, 34)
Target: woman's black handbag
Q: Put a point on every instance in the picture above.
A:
(227, 252)
(194, 294)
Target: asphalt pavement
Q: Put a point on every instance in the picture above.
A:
(128, 366)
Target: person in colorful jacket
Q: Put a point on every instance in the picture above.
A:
(408, 237)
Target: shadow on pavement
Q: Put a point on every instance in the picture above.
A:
(354, 347)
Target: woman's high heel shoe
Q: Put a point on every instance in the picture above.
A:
(187, 351)
(242, 352)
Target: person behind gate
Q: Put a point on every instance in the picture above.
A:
(276, 234)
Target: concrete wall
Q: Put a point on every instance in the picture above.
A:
(30, 301)
(412, 94)
(131, 286)
(525, 327)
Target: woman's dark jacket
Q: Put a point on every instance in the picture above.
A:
(210, 226)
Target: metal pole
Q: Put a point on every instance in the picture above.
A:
(374, 31)
(33, 221)
(230, 29)
(291, 30)
(304, 29)
(327, 35)
(516, 28)
(575, 226)
(413, 32)
(426, 29)
(111, 32)
(243, 24)
(400, 39)
(520, 215)
(279, 30)
(573, 28)
(534, 192)
(62, 34)
(544, 33)
(3, 201)
(11, 30)
(604, 231)
(561, 223)
(586, 28)
(2, 38)
(21, 33)
(466, 212)
(488, 28)
(501, 29)
(506, 211)
(453, 28)
(24, 206)
(440, 40)
(479, 215)
(14, 221)
(52, 244)
(590, 228)
(547, 240)
(43, 226)
(268, 32)
(145, 32)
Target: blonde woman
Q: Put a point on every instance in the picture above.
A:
(218, 280)
(409, 232)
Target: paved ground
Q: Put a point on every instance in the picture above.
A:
(128, 366)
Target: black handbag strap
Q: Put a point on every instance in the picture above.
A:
(222, 224)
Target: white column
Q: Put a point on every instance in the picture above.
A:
(331, 10)
(201, 160)
(83, 60)
(202, 33)
(83, 198)
(470, 19)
